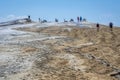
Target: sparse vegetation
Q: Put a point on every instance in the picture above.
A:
(83, 54)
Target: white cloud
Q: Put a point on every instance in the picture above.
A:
(11, 17)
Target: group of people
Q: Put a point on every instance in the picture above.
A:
(110, 26)
(79, 19)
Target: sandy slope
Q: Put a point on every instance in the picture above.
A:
(60, 53)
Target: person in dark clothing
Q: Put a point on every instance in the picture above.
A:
(39, 19)
(98, 27)
(111, 26)
(56, 20)
(78, 19)
(71, 20)
(28, 16)
(29, 20)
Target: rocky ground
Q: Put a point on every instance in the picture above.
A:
(61, 53)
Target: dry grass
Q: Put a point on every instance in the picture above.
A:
(105, 46)
(28, 49)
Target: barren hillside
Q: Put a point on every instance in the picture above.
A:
(62, 53)
(84, 53)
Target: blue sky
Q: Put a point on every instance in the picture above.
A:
(102, 11)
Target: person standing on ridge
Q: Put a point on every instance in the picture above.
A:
(78, 19)
(56, 20)
(111, 26)
(28, 16)
(98, 26)
(39, 19)
(29, 20)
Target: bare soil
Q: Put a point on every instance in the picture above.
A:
(61, 53)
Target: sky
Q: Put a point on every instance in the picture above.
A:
(101, 11)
